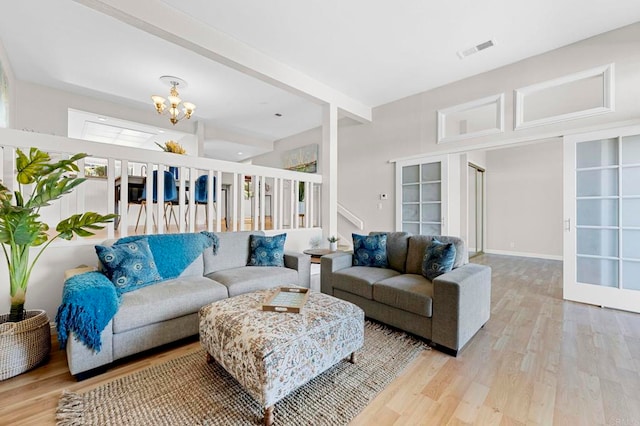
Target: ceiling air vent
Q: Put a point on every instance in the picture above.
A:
(475, 49)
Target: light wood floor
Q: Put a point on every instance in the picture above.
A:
(539, 360)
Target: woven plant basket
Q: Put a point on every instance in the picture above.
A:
(24, 344)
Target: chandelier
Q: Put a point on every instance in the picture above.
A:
(175, 114)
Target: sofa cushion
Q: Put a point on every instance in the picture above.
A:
(233, 251)
(418, 245)
(438, 259)
(409, 292)
(370, 250)
(129, 266)
(166, 300)
(359, 279)
(250, 278)
(193, 270)
(397, 246)
(266, 250)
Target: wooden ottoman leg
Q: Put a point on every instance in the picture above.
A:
(209, 358)
(352, 358)
(268, 415)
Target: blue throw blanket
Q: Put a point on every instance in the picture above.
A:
(89, 301)
(172, 253)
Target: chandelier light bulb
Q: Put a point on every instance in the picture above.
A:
(188, 108)
(174, 101)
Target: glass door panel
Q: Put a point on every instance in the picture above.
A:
(594, 212)
(430, 229)
(431, 191)
(631, 244)
(631, 149)
(431, 212)
(410, 174)
(413, 228)
(597, 153)
(631, 275)
(410, 212)
(631, 213)
(410, 193)
(431, 172)
(597, 242)
(631, 181)
(596, 271)
(597, 183)
(602, 199)
(421, 206)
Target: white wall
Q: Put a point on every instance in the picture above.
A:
(407, 127)
(275, 158)
(524, 200)
(45, 110)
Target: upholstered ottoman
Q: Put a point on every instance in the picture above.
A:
(272, 353)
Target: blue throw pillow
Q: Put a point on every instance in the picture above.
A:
(438, 259)
(266, 251)
(370, 250)
(129, 265)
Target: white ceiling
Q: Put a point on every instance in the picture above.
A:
(373, 51)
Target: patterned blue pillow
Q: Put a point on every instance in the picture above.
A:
(129, 265)
(266, 251)
(438, 259)
(370, 250)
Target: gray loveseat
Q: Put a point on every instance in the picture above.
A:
(448, 311)
(168, 311)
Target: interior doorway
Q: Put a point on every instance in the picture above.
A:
(476, 209)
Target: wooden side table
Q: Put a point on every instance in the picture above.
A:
(316, 254)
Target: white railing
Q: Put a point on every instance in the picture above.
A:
(355, 220)
(249, 196)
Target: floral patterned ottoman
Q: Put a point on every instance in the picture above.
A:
(269, 353)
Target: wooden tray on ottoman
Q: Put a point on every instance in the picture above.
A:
(287, 299)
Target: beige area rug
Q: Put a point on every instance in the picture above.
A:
(188, 391)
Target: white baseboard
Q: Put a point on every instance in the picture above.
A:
(524, 254)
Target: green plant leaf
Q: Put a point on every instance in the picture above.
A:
(21, 227)
(80, 224)
(51, 188)
(32, 167)
(5, 194)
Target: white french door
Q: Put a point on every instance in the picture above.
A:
(602, 218)
(421, 186)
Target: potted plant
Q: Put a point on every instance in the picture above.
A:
(333, 243)
(20, 230)
(176, 148)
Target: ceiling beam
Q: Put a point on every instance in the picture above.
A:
(157, 18)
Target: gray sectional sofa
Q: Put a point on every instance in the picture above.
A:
(167, 311)
(448, 311)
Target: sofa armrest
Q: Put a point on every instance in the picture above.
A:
(82, 359)
(461, 305)
(330, 263)
(301, 263)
